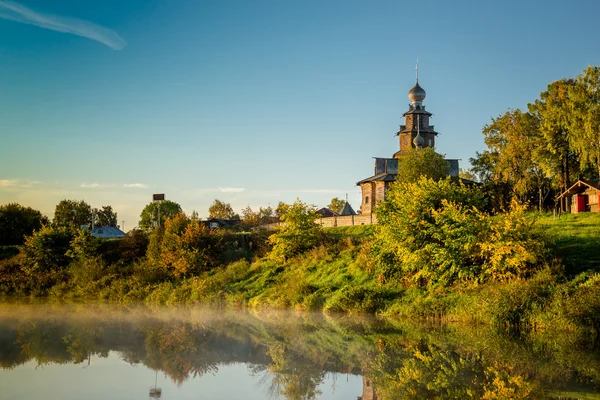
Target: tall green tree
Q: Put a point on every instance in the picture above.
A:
(555, 153)
(72, 213)
(105, 216)
(336, 205)
(222, 210)
(150, 214)
(585, 118)
(298, 233)
(513, 139)
(17, 221)
(419, 163)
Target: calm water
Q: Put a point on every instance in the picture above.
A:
(108, 352)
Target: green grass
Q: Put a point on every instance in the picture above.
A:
(356, 231)
(575, 239)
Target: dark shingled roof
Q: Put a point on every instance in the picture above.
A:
(347, 210)
(385, 177)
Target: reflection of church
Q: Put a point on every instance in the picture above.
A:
(368, 390)
(416, 133)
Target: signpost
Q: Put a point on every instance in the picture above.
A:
(158, 198)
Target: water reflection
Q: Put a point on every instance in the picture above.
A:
(296, 356)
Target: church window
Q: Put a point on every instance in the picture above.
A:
(366, 199)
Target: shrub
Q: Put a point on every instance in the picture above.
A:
(298, 233)
(46, 250)
(434, 232)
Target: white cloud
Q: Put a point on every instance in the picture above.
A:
(4, 183)
(89, 185)
(17, 183)
(230, 190)
(16, 12)
(136, 185)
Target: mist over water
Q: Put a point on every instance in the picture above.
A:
(123, 352)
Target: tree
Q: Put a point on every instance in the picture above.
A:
(467, 174)
(554, 152)
(585, 118)
(46, 250)
(298, 233)
(105, 216)
(17, 221)
(221, 210)
(184, 246)
(514, 142)
(149, 215)
(72, 213)
(435, 232)
(422, 163)
(336, 205)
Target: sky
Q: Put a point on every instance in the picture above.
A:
(256, 102)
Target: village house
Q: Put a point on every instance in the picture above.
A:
(584, 196)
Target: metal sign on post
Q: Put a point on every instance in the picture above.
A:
(158, 197)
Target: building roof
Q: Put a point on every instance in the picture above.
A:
(580, 186)
(108, 232)
(385, 177)
(222, 222)
(326, 212)
(347, 210)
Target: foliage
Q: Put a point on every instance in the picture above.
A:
(46, 250)
(105, 216)
(150, 213)
(336, 205)
(585, 121)
(17, 221)
(221, 210)
(83, 245)
(514, 143)
(434, 233)
(72, 213)
(418, 163)
(298, 233)
(253, 219)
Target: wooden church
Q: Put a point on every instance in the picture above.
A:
(415, 133)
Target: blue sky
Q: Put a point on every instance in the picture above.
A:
(256, 102)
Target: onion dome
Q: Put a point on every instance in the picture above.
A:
(419, 141)
(416, 94)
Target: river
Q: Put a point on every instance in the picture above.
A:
(101, 351)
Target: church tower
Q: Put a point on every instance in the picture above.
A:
(416, 132)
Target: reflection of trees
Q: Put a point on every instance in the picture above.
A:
(293, 355)
(180, 351)
(296, 378)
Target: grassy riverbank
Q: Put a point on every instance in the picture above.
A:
(339, 276)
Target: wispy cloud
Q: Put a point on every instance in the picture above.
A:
(4, 183)
(17, 12)
(17, 183)
(230, 190)
(89, 185)
(135, 185)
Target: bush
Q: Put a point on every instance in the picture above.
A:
(434, 232)
(298, 233)
(46, 250)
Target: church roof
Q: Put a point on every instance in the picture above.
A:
(383, 177)
(347, 210)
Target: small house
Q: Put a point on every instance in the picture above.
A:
(216, 223)
(108, 232)
(584, 196)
